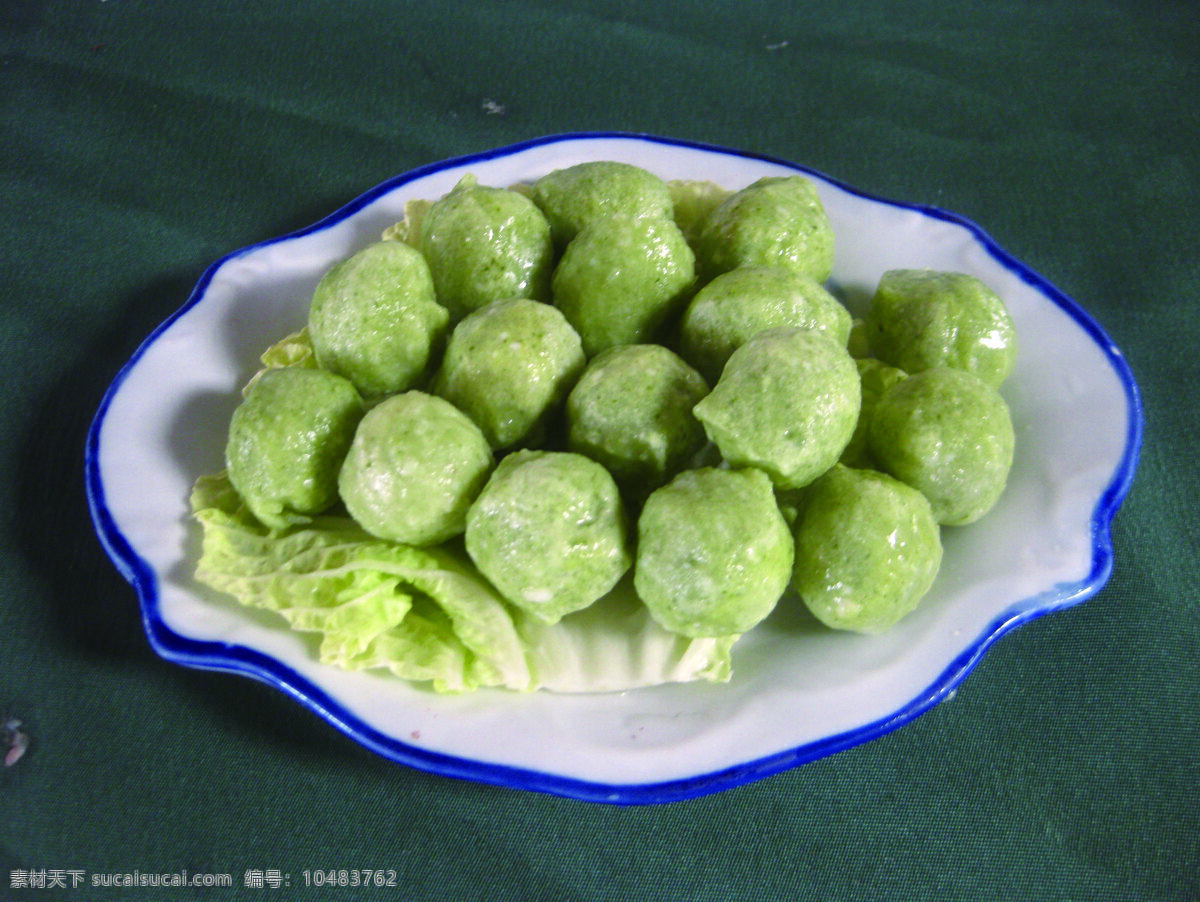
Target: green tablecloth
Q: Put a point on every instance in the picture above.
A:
(142, 141)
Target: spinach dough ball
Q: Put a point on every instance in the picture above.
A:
(286, 442)
(787, 403)
(574, 197)
(694, 201)
(922, 318)
(777, 221)
(621, 277)
(486, 244)
(867, 549)
(714, 553)
(949, 435)
(737, 305)
(875, 377)
(631, 410)
(416, 464)
(549, 532)
(858, 344)
(508, 366)
(375, 320)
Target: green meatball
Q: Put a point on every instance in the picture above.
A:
(867, 549)
(875, 377)
(737, 305)
(574, 197)
(287, 440)
(416, 464)
(508, 366)
(787, 403)
(694, 201)
(486, 244)
(714, 553)
(858, 344)
(777, 221)
(922, 318)
(949, 435)
(375, 320)
(550, 532)
(632, 411)
(621, 277)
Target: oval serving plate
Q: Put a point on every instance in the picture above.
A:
(799, 691)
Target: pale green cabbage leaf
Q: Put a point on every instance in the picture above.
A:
(426, 615)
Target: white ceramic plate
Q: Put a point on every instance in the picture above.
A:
(799, 692)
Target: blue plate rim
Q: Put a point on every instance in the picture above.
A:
(238, 659)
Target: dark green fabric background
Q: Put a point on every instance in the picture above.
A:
(142, 140)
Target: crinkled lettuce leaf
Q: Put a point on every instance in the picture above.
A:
(426, 615)
(615, 645)
(408, 229)
(292, 350)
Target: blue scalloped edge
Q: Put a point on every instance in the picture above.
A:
(248, 662)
